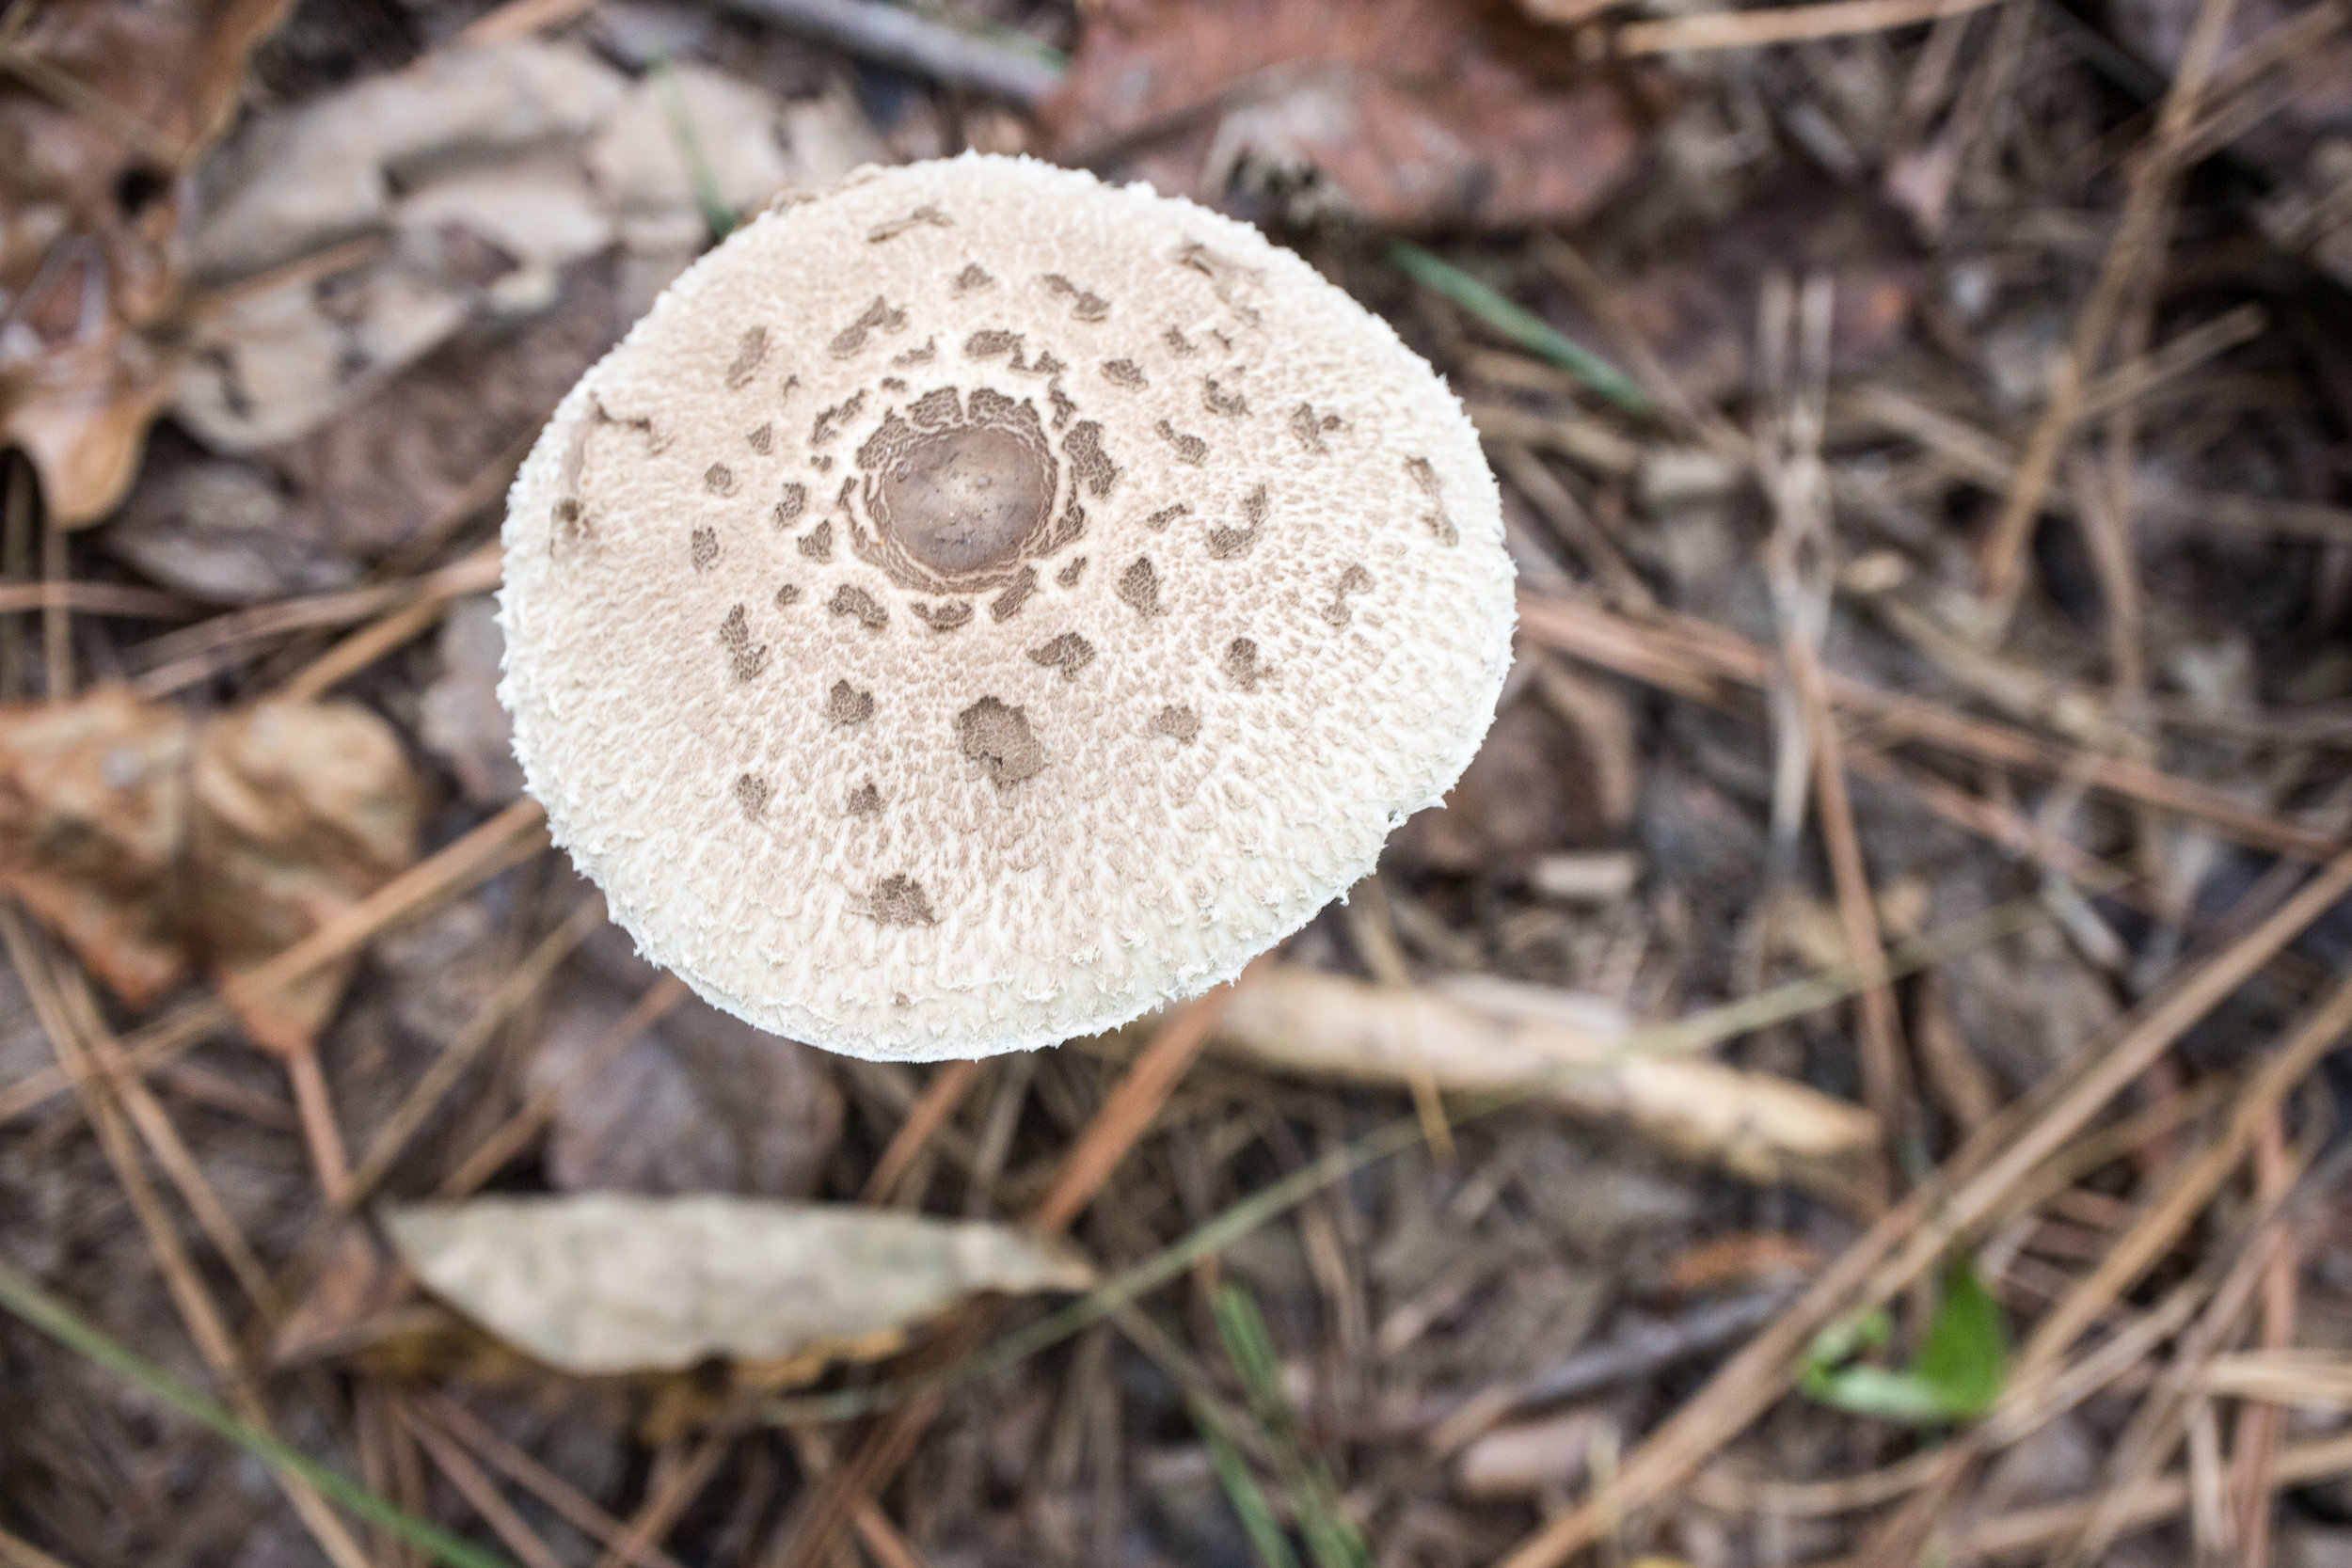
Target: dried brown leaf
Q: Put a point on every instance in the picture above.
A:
(103, 106)
(155, 845)
(298, 811)
(1408, 114)
(93, 821)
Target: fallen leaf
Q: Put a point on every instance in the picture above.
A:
(603, 1284)
(1404, 114)
(93, 820)
(701, 1102)
(1558, 768)
(1502, 1035)
(104, 108)
(156, 843)
(298, 811)
(460, 718)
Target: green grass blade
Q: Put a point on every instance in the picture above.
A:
(1518, 324)
(45, 1312)
(1242, 1490)
(718, 216)
(1332, 1538)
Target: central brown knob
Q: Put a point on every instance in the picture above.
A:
(964, 499)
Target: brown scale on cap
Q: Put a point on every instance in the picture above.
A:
(855, 602)
(998, 737)
(1225, 544)
(846, 704)
(1177, 722)
(735, 635)
(1425, 476)
(1189, 449)
(901, 901)
(941, 388)
(1069, 653)
(1139, 586)
(1311, 427)
(1243, 664)
(751, 351)
(925, 214)
(1353, 581)
(1084, 304)
(880, 316)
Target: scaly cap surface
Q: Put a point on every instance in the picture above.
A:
(979, 604)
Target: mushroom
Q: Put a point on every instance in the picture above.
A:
(979, 604)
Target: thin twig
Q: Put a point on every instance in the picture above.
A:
(930, 1112)
(507, 1140)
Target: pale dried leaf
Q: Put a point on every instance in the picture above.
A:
(1754, 1124)
(603, 1284)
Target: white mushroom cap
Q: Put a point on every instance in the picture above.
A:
(979, 604)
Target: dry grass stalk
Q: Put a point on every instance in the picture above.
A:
(1123, 1118)
(674, 1488)
(1372, 926)
(932, 1108)
(2261, 1427)
(560, 1496)
(2133, 248)
(362, 648)
(1781, 24)
(180, 658)
(1909, 1239)
(15, 1553)
(1691, 653)
(1788, 460)
(510, 1137)
(68, 991)
(480, 1492)
(190, 1297)
(879, 1537)
(425, 1096)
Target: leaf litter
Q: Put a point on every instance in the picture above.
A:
(1498, 1342)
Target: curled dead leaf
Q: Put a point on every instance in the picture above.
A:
(104, 107)
(155, 844)
(297, 811)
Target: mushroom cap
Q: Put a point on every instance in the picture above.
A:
(978, 604)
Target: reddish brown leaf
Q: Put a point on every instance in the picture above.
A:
(103, 107)
(1408, 114)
